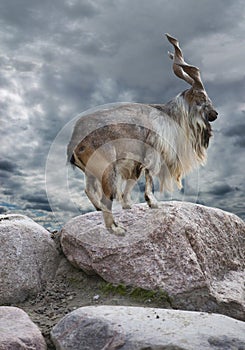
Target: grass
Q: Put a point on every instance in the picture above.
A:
(136, 293)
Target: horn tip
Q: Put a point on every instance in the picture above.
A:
(171, 39)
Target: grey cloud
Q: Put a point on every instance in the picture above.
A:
(76, 9)
(222, 93)
(69, 81)
(241, 142)
(12, 183)
(236, 130)
(4, 174)
(27, 20)
(10, 189)
(23, 65)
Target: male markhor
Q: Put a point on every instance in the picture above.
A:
(116, 146)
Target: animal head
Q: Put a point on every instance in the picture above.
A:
(196, 96)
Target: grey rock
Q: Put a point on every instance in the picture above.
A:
(76, 332)
(192, 252)
(18, 332)
(28, 258)
(138, 328)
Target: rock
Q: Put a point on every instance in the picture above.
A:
(18, 332)
(138, 328)
(28, 258)
(192, 252)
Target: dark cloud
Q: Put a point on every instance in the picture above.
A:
(3, 210)
(35, 198)
(8, 192)
(36, 201)
(8, 169)
(221, 190)
(7, 166)
(39, 206)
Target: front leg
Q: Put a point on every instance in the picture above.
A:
(149, 197)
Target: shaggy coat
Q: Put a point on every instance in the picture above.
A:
(114, 146)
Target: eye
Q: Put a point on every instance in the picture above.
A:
(199, 103)
(201, 99)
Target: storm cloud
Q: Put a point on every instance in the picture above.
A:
(60, 58)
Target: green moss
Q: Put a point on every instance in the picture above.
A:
(109, 288)
(136, 293)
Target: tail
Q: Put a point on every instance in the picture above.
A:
(70, 155)
(76, 162)
(71, 160)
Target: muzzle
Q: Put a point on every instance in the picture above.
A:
(212, 115)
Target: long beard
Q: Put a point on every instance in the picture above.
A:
(206, 134)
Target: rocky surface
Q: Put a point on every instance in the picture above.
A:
(28, 258)
(192, 252)
(72, 288)
(181, 243)
(18, 332)
(135, 328)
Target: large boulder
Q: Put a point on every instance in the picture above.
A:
(18, 332)
(138, 328)
(192, 252)
(28, 258)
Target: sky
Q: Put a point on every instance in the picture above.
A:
(60, 58)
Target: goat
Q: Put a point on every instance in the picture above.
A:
(116, 145)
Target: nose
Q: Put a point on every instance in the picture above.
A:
(212, 115)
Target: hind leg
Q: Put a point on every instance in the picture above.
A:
(135, 173)
(93, 191)
(110, 223)
(109, 186)
(149, 197)
(126, 197)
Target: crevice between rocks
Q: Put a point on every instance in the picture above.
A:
(195, 248)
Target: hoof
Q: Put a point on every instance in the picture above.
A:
(154, 205)
(127, 206)
(117, 230)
